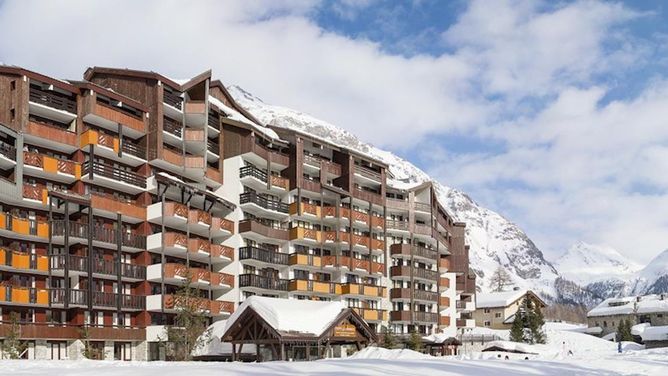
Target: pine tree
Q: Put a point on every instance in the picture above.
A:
(190, 324)
(517, 330)
(500, 279)
(414, 341)
(389, 340)
(12, 346)
(535, 322)
(624, 331)
(89, 351)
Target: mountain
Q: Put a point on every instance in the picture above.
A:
(652, 279)
(494, 241)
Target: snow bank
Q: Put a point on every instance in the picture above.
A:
(655, 333)
(387, 354)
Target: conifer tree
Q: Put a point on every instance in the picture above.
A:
(535, 322)
(414, 341)
(389, 340)
(517, 330)
(13, 346)
(500, 279)
(624, 331)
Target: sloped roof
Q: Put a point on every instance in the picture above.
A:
(307, 317)
(500, 299)
(630, 304)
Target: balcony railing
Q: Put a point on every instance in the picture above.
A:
(102, 234)
(367, 173)
(100, 299)
(264, 229)
(8, 150)
(133, 149)
(114, 173)
(263, 255)
(252, 280)
(173, 99)
(421, 206)
(253, 172)
(213, 147)
(263, 202)
(396, 225)
(405, 271)
(172, 126)
(53, 99)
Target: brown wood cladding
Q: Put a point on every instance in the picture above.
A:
(253, 226)
(52, 133)
(36, 331)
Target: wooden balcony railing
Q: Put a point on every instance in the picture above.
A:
(51, 164)
(421, 206)
(99, 233)
(173, 99)
(9, 151)
(408, 250)
(391, 224)
(368, 173)
(407, 271)
(263, 202)
(263, 255)
(172, 126)
(369, 196)
(51, 132)
(252, 280)
(249, 225)
(53, 99)
(114, 173)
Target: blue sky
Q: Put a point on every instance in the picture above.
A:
(552, 113)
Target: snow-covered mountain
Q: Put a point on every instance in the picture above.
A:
(586, 263)
(494, 240)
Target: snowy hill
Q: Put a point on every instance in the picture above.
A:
(586, 263)
(493, 239)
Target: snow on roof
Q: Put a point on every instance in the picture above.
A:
(655, 333)
(509, 346)
(236, 115)
(498, 299)
(630, 304)
(291, 315)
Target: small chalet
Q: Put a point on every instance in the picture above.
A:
(290, 329)
(496, 310)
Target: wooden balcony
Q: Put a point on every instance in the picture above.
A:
(220, 307)
(107, 267)
(222, 252)
(311, 185)
(195, 107)
(57, 169)
(377, 244)
(53, 99)
(444, 283)
(279, 181)
(109, 203)
(443, 301)
(24, 226)
(372, 314)
(114, 173)
(306, 209)
(363, 290)
(20, 260)
(214, 175)
(393, 203)
(261, 282)
(252, 226)
(407, 272)
(306, 285)
(444, 320)
(300, 233)
(197, 216)
(443, 264)
(422, 229)
(222, 280)
(53, 133)
(322, 163)
(263, 255)
(368, 196)
(368, 173)
(411, 316)
(408, 293)
(377, 222)
(36, 193)
(360, 217)
(51, 331)
(223, 225)
(413, 250)
(355, 264)
(304, 260)
(115, 115)
(263, 202)
(178, 159)
(422, 207)
(24, 295)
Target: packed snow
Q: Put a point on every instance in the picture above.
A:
(387, 354)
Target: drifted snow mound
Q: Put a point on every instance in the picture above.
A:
(383, 353)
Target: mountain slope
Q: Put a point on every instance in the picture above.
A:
(586, 263)
(493, 239)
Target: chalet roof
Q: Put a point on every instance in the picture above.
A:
(291, 316)
(109, 93)
(502, 299)
(181, 86)
(19, 71)
(630, 304)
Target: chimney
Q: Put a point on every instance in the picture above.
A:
(516, 288)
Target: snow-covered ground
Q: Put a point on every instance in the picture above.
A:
(591, 356)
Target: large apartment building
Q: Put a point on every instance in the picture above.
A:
(116, 188)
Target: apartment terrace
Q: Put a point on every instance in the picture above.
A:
(354, 264)
(414, 316)
(44, 166)
(258, 179)
(101, 268)
(23, 261)
(110, 176)
(24, 295)
(63, 331)
(415, 294)
(108, 146)
(108, 206)
(102, 113)
(75, 297)
(402, 271)
(253, 282)
(262, 257)
(261, 206)
(171, 304)
(45, 100)
(320, 163)
(7, 155)
(102, 236)
(370, 314)
(49, 135)
(23, 228)
(261, 232)
(178, 216)
(414, 250)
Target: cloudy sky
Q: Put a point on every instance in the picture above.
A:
(554, 114)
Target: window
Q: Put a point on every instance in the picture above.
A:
(487, 323)
(486, 310)
(497, 315)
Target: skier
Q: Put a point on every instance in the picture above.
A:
(619, 347)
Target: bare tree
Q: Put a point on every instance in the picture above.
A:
(13, 347)
(500, 280)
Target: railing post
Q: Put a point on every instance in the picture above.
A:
(119, 253)
(66, 241)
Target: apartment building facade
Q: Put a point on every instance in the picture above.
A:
(118, 187)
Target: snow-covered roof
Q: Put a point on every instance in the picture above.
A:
(655, 333)
(630, 304)
(236, 115)
(498, 299)
(515, 347)
(291, 315)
